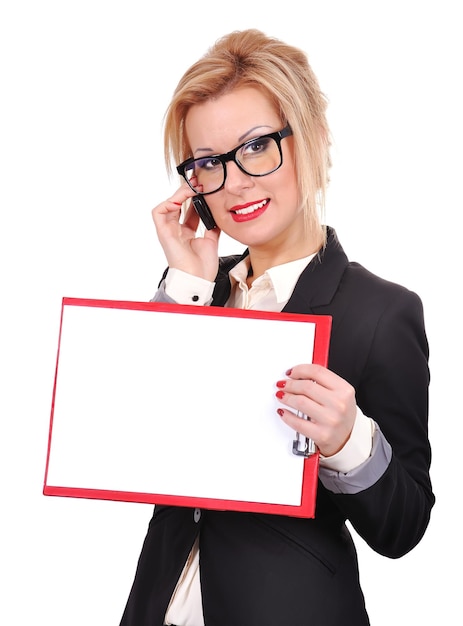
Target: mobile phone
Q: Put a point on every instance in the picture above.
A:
(204, 212)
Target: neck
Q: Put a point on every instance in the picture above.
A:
(263, 259)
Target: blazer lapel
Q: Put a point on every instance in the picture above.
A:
(316, 285)
(222, 287)
(319, 281)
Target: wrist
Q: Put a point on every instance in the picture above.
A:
(186, 288)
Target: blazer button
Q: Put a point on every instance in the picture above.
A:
(197, 515)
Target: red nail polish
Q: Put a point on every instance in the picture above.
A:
(280, 394)
(281, 384)
(288, 372)
(280, 412)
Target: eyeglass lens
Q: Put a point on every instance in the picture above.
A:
(257, 157)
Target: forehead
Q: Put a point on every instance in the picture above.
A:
(222, 123)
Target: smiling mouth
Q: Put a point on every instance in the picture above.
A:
(251, 208)
(250, 212)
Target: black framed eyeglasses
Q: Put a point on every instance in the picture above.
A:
(256, 157)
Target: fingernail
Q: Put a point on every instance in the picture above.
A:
(288, 372)
(281, 384)
(280, 394)
(280, 412)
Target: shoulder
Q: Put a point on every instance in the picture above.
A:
(368, 289)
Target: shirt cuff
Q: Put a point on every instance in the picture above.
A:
(357, 448)
(185, 288)
(363, 476)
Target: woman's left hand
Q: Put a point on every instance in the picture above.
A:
(327, 400)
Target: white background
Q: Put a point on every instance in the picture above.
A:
(84, 86)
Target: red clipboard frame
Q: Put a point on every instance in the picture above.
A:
(306, 508)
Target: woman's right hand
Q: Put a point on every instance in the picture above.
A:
(184, 250)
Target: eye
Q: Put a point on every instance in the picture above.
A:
(256, 146)
(208, 164)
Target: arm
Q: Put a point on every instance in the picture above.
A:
(388, 498)
(178, 287)
(392, 515)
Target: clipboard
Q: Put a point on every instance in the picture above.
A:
(170, 404)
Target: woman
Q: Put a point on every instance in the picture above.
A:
(247, 125)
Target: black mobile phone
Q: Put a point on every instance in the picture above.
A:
(204, 212)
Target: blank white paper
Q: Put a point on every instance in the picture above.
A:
(175, 403)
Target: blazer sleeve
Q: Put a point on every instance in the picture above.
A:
(393, 514)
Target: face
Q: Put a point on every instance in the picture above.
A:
(260, 212)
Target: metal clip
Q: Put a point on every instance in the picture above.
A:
(302, 445)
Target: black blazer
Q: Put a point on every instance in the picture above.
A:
(269, 570)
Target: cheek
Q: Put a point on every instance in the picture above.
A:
(287, 184)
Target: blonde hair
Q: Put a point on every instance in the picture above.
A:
(250, 58)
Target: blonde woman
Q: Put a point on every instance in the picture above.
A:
(247, 130)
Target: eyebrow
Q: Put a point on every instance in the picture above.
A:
(240, 139)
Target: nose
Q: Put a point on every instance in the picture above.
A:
(237, 180)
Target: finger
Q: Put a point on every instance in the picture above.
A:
(175, 202)
(327, 440)
(167, 208)
(300, 402)
(304, 426)
(316, 373)
(334, 403)
(191, 217)
(304, 387)
(183, 193)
